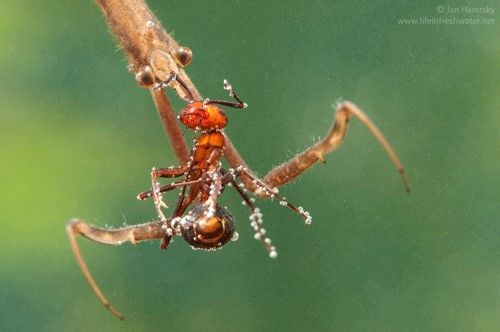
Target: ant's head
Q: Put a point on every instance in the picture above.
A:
(198, 115)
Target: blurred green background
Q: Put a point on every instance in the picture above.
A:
(78, 139)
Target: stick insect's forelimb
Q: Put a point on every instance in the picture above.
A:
(296, 166)
(134, 234)
(169, 120)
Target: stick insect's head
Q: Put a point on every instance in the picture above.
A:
(161, 65)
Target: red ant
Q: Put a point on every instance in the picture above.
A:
(209, 225)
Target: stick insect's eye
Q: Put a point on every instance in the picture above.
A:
(182, 56)
(144, 77)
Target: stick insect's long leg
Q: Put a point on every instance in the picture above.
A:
(134, 234)
(171, 125)
(296, 166)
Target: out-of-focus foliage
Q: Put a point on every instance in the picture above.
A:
(78, 138)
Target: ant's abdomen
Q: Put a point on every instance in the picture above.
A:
(209, 232)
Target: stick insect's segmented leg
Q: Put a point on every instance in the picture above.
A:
(316, 153)
(134, 234)
(255, 219)
(273, 193)
(169, 120)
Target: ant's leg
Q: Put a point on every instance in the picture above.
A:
(215, 191)
(169, 120)
(134, 234)
(229, 176)
(182, 204)
(296, 166)
(147, 194)
(182, 201)
(265, 190)
(171, 226)
(170, 172)
(256, 219)
(155, 185)
(228, 87)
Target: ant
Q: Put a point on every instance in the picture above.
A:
(208, 225)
